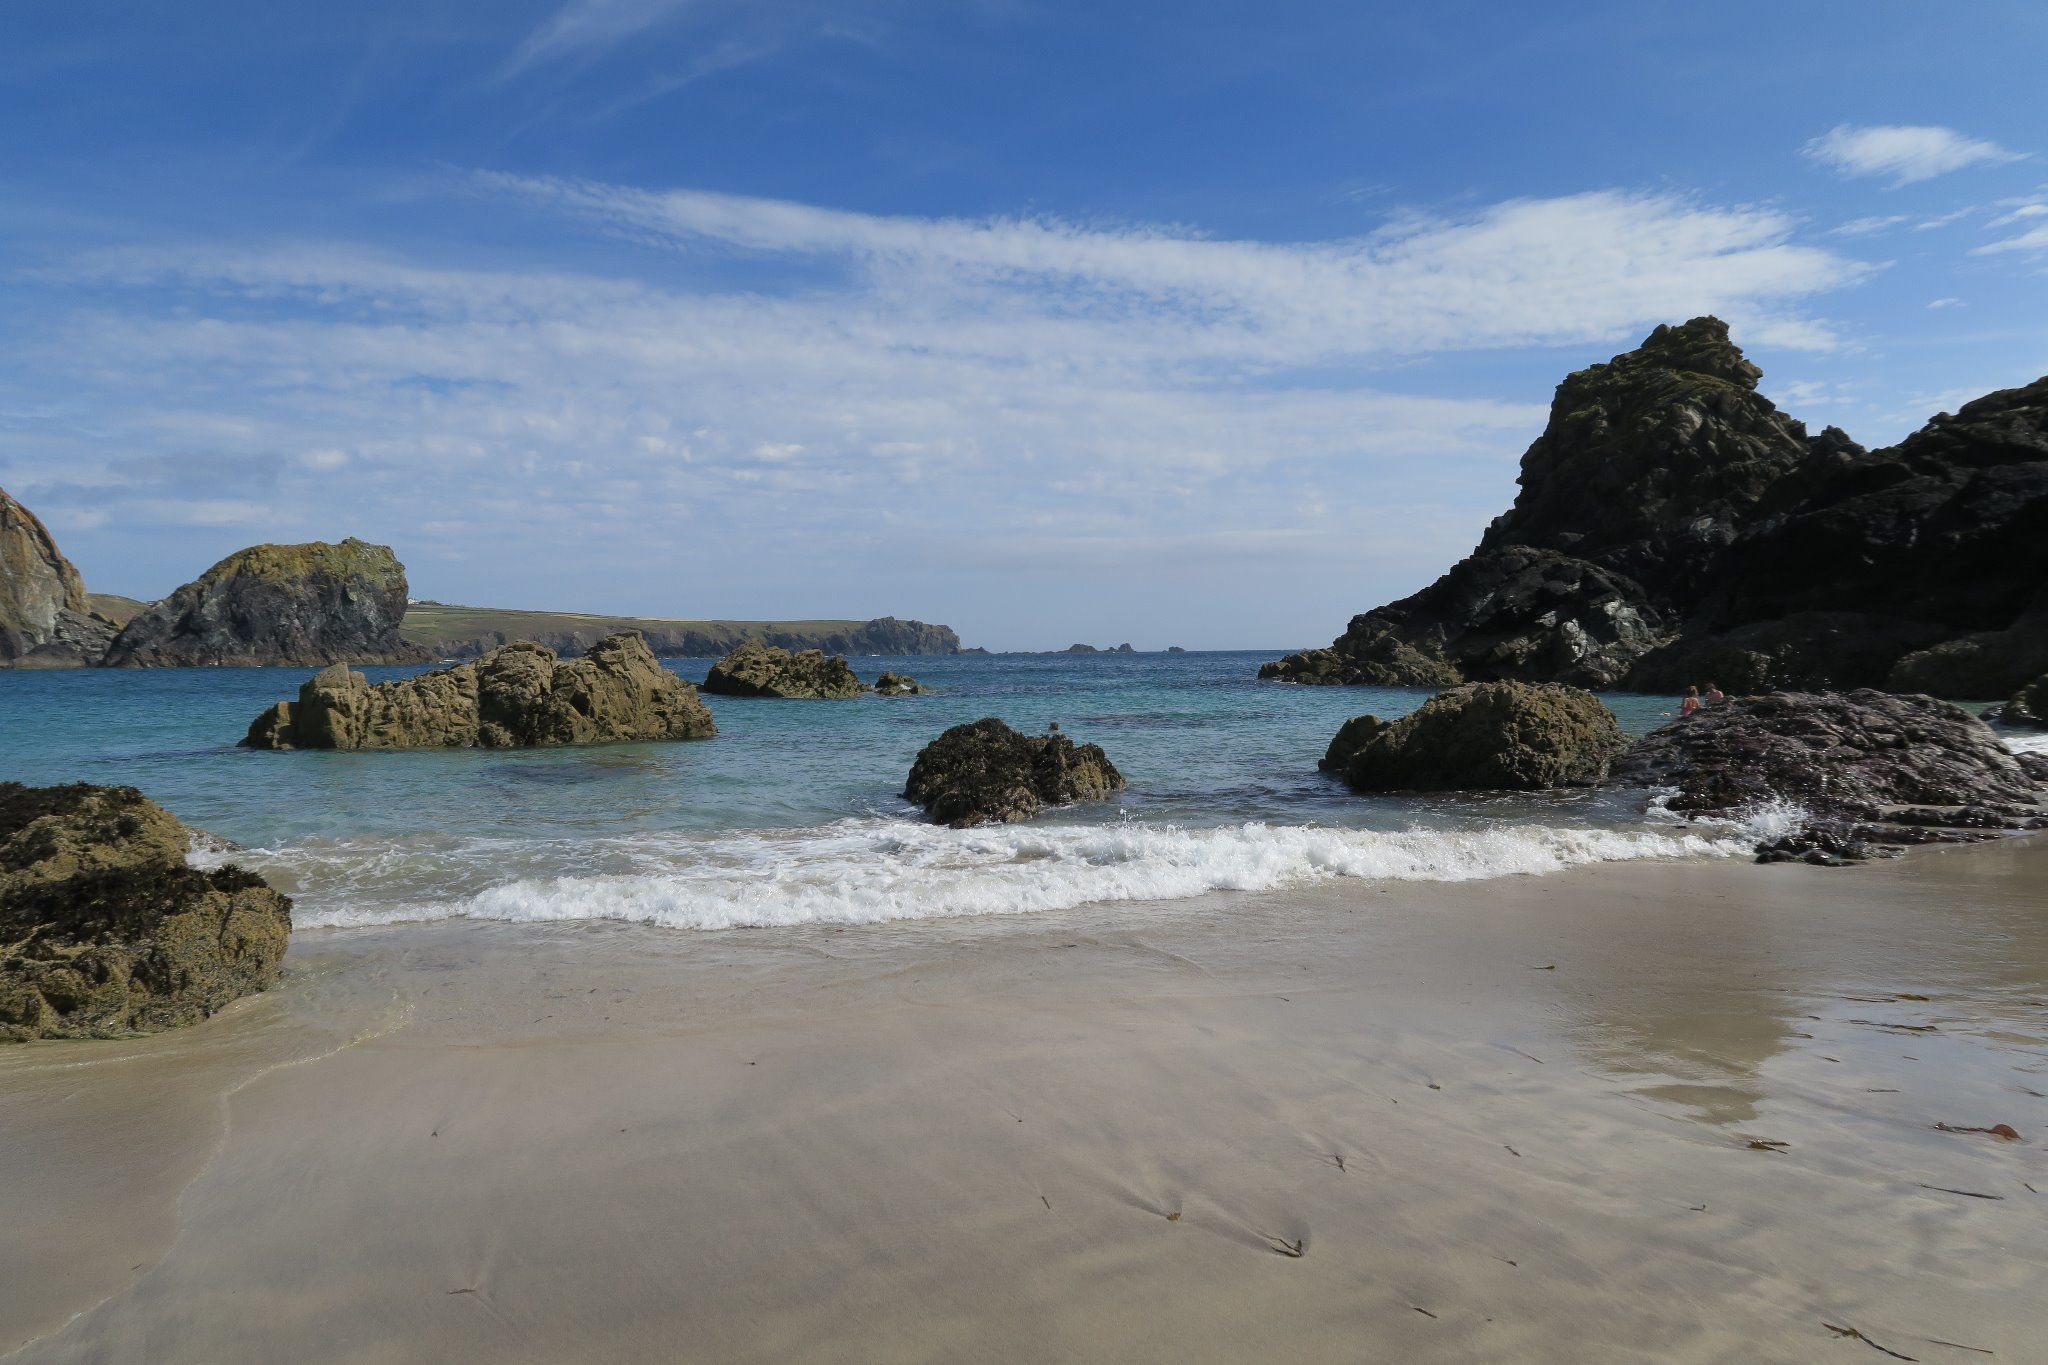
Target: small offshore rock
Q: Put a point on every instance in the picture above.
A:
(1497, 736)
(517, 695)
(757, 670)
(985, 772)
(104, 928)
(893, 684)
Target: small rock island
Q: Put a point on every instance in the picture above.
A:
(758, 670)
(517, 695)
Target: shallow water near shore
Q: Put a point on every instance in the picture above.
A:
(791, 815)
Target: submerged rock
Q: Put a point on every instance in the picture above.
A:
(892, 684)
(1832, 754)
(755, 670)
(104, 929)
(47, 620)
(276, 605)
(985, 772)
(517, 695)
(1482, 737)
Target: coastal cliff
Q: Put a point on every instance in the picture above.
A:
(273, 605)
(46, 618)
(454, 632)
(1673, 525)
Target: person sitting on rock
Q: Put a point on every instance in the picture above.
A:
(1715, 696)
(1690, 704)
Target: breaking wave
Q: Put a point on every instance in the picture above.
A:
(869, 870)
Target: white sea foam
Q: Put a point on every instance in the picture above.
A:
(2028, 744)
(870, 870)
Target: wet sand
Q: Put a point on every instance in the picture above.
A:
(1498, 1120)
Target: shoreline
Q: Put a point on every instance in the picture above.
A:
(1483, 1113)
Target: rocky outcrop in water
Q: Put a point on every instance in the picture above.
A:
(515, 696)
(2029, 706)
(987, 773)
(1673, 526)
(46, 618)
(755, 670)
(1501, 736)
(105, 930)
(1840, 755)
(273, 605)
(894, 684)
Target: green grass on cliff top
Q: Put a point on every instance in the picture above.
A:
(440, 627)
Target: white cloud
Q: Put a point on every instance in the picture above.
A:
(2034, 239)
(2020, 212)
(1864, 227)
(1945, 303)
(1907, 154)
(584, 24)
(1012, 380)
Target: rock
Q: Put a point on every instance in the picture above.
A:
(1081, 649)
(755, 670)
(517, 695)
(892, 684)
(1175, 649)
(1674, 527)
(104, 929)
(1352, 736)
(1834, 755)
(985, 772)
(46, 619)
(2029, 706)
(276, 605)
(1124, 648)
(115, 608)
(1484, 737)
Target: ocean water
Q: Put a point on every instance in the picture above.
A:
(791, 815)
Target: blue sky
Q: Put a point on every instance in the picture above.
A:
(1201, 323)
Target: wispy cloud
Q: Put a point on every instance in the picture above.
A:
(1907, 154)
(1015, 379)
(582, 25)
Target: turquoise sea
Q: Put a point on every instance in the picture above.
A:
(792, 815)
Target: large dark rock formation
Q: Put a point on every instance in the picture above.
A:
(517, 695)
(755, 670)
(1482, 737)
(46, 619)
(1834, 755)
(1673, 526)
(987, 773)
(278, 605)
(105, 931)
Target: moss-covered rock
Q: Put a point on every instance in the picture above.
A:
(893, 684)
(517, 695)
(104, 929)
(1500, 736)
(756, 670)
(987, 773)
(269, 605)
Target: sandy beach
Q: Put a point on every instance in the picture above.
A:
(1510, 1119)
